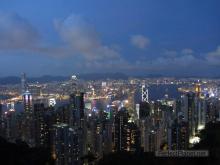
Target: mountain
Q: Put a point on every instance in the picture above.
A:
(48, 78)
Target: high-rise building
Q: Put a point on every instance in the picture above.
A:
(189, 112)
(10, 117)
(28, 123)
(198, 89)
(24, 85)
(1, 120)
(35, 90)
(120, 130)
(179, 135)
(27, 101)
(65, 145)
(126, 135)
(73, 83)
(77, 107)
(144, 110)
(107, 136)
(133, 137)
(41, 126)
(144, 93)
(201, 109)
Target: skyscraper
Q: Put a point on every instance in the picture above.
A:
(144, 93)
(10, 124)
(121, 131)
(27, 101)
(144, 110)
(189, 112)
(65, 145)
(23, 83)
(41, 127)
(77, 107)
(1, 121)
(179, 137)
(28, 123)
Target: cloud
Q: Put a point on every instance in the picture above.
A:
(170, 53)
(214, 57)
(16, 32)
(140, 41)
(82, 37)
(187, 51)
(79, 38)
(84, 49)
(172, 63)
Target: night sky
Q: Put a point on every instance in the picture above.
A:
(63, 37)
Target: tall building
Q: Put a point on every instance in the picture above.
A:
(107, 136)
(28, 123)
(144, 93)
(189, 112)
(198, 89)
(152, 140)
(24, 86)
(77, 107)
(1, 121)
(120, 130)
(179, 135)
(65, 145)
(126, 134)
(27, 101)
(41, 126)
(144, 110)
(10, 119)
(133, 137)
(35, 90)
(201, 109)
(73, 84)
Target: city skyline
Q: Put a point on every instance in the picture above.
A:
(86, 122)
(174, 38)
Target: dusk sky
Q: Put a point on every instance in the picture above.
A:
(63, 37)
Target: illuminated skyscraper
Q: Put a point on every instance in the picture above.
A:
(126, 134)
(41, 127)
(179, 135)
(198, 89)
(27, 101)
(10, 124)
(23, 83)
(77, 107)
(190, 112)
(65, 145)
(120, 130)
(1, 121)
(28, 123)
(144, 93)
(74, 83)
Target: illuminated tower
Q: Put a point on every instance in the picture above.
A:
(27, 101)
(121, 130)
(189, 111)
(10, 124)
(144, 93)
(73, 83)
(23, 83)
(198, 89)
(77, 105)
(41, 126)
(28, 123)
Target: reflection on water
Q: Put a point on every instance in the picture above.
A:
(157, 92)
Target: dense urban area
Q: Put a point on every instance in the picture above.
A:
(108, 121)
